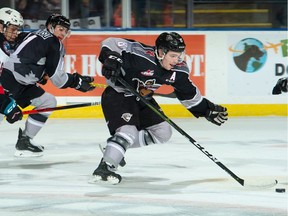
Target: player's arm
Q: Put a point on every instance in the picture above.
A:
(62, 79)
(214, 113)
(112, 62)
(190, 96)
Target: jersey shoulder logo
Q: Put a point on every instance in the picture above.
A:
(151, 53)
(44, 34)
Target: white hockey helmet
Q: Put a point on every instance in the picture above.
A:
(9, 16)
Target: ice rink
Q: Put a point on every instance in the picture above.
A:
(164, 180)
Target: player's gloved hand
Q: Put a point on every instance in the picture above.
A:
(83, 83)
(10, 109)
(281, 86)
(112, 66)
(44, 80)
(146, 93)
(216, 114)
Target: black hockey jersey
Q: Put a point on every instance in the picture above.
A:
(142, 69)
(40, 52)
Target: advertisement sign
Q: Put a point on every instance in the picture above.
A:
(82, 53)
(256, 62)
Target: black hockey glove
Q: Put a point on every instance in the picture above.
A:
(281, 86)
(216, 114)
(10, 109)
(82, 83)
(44, 79)
(112, 66)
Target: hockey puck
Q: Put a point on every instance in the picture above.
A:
(280, 190)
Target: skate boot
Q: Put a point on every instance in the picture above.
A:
(104, 174)
(25, 148)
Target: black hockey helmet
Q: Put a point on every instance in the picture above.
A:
(170, 41)
(58, 19)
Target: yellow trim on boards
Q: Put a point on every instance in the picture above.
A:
(177, 110)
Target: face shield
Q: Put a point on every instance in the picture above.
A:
(11, 32)
(181, 57)
(64, 31)
(59, 25)
(60, 32)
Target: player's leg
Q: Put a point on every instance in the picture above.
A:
(38, 98)
(120, 111)
(153, 129)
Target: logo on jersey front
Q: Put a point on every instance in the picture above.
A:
(148, 84)
(126, 116)
(148, 73)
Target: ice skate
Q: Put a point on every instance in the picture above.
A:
(25, 148)
(103, 174)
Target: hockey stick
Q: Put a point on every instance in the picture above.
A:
(170, 95)
(175, 126)
(35, 111)
(99, 85)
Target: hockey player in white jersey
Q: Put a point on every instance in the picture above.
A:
(40, 53)
(130, 122)
(10, 24)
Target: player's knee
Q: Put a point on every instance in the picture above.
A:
(46, 100)
(122, 139)
(50, 100)
(160, 133)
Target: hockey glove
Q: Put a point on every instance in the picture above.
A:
(281, 86)
(83, 83)
(146, 93)
(112, 66)
(10, 109)
(44, 79)
(216, 114)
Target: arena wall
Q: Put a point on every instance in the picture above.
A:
(237, 69)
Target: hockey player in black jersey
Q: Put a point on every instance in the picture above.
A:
(41, 52)
(10, 23)
(281, 86)
(131, 123)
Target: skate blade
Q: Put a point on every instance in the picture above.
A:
(27, 154)
(96, 179)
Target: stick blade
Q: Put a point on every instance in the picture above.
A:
(260, 184)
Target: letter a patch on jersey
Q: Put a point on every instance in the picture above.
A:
(172, 78)
(126, 116)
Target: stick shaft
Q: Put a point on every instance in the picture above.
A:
(170, 95)
(35, 111)
(175, 126)
(98, 85)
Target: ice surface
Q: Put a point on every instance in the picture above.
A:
(164, 180)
